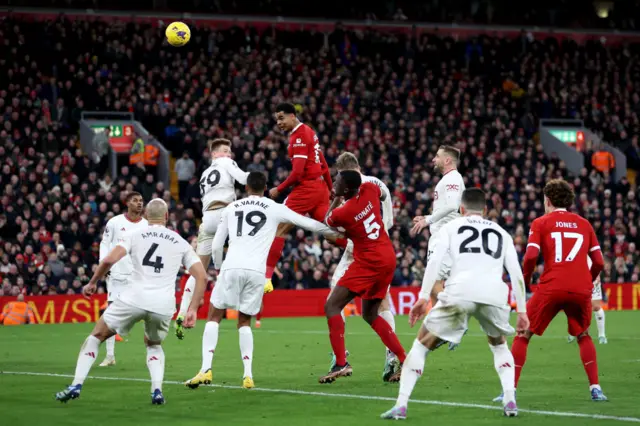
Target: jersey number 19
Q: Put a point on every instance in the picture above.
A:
(255, 219)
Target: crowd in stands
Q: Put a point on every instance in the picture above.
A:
(388, 98)
(619, 14)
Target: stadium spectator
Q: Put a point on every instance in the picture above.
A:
(391, 101)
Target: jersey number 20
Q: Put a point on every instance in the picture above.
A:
(464, 246)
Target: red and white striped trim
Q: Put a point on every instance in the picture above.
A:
(594, 248)
(533, 245)
(300, 156)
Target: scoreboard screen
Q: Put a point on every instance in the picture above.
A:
(572, 137)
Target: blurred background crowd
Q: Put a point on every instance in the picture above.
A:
(391, 99)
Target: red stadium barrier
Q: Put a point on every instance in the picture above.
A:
(280, 303)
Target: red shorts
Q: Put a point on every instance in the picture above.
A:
(368, 282)
(544, 306)
(310, 197)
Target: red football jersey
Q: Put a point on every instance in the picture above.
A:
(566, 241)
(303, 143)
(361, 219)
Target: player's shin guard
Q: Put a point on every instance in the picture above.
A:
(187, 295)
(388, 337)
(388, 317)
(589, 361)
(504, 364)
(88, 354)
(336, 336)
(209, 343)
(412, 370)
(246, 349)
(110, 344)
(519, 352)
(600, 322)
(275, 252)
(155, 363)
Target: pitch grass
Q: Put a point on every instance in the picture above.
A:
(290, 354)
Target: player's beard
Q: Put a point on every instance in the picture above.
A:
(437, 168)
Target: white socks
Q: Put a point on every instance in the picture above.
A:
(389, 318)
(110, 343)
(246, 349)
(209, 343)
(505, 367)
(88, 354)
(155, 363)
(187, 295)
(600, 322)
(412, 370)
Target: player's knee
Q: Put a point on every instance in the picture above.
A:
(331, 309)
(583, 334)
(149, 343)
(244, 320)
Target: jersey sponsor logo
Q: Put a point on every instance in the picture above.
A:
(452, 187)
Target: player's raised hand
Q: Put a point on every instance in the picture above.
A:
(418, 311)
(419, 223)
(89, 289)
(190, 319)
(522, 324)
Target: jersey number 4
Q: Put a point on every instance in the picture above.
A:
(464, 246)
(557, 239)
(156, 264)
(255, 219)
(211, 180)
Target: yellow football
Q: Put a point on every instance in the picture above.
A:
(178, 34)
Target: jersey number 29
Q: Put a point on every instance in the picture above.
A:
(211, 180)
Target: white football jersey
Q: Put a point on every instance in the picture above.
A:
(157, 254)
(447, 196)
(251, 225)
(480, 250)
(114, 232)
(217, 182)
(387, 204)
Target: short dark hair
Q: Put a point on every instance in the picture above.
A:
(474, 199)
(131, 195)
(347, 161)
(452, 151)
(559, 193)
(286, 107)
(352, 179)
(257, 181)
(217, 143)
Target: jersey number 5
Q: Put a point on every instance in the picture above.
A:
(557, 239)
(157, 264)
(255, 219)
(371, 228)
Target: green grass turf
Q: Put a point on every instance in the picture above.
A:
(290, 354)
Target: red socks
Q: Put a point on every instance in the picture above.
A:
(388, 337)
(588, 356)
(274, 255)
(336, 336)
(519, 351)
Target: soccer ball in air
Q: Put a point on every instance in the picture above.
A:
(178, 34)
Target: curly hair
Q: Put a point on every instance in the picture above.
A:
(559, 193)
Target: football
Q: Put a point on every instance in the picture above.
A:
(178, 34)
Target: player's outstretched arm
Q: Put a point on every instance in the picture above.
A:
(111, 259)
(512, 266)
(237, 173)
(217, 246)
(297, 170)
(286, 215)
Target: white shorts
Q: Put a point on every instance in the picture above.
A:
(597, 290)
(345, 261)
(445, 267)
(239, 289)
(449, 319)
(115, 286)
(207, 230)
(121, 317)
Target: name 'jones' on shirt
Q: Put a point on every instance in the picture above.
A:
(566, 225)
(364, 212)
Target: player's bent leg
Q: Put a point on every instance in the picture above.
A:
(155, 364)
(245, 336)
(187, 296)
(275, 252)
(519, 351)
(412, 371)
(391, 363)
(334, 305)
(86, 358)
(370, 309)
(110, 345)
(505, 367)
